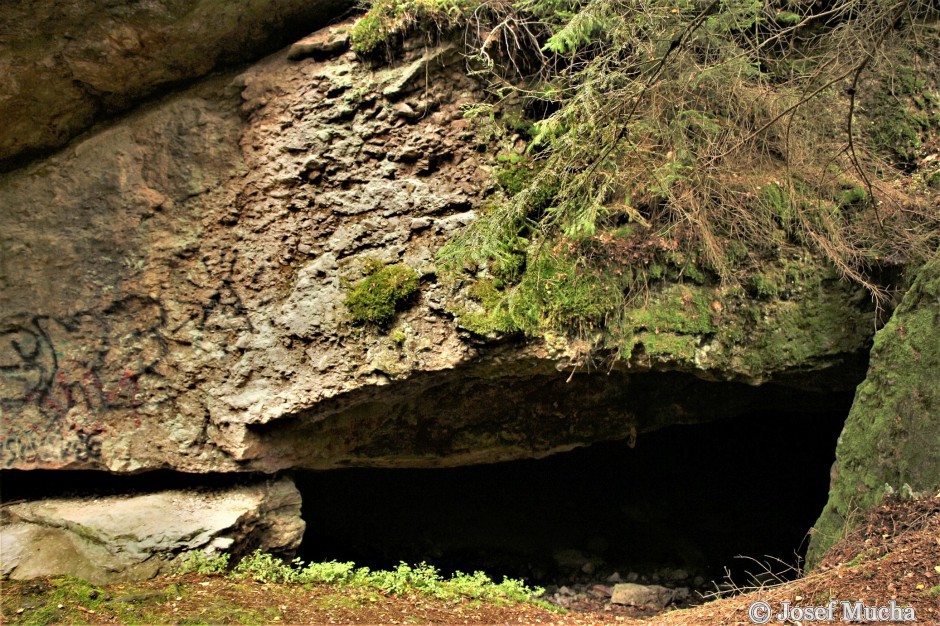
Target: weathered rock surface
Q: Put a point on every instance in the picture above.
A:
(652, 597)
(892, 435)
(64, 64)
(138, 536)
(173, 290)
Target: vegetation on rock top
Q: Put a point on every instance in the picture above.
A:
(702, 143)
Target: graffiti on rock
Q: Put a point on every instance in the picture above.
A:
(61, 378)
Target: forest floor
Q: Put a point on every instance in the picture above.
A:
(894, 556)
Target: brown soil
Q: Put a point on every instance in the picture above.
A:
(894, 556)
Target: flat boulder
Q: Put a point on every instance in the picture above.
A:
(323, 44)
(106, 539)
(652, 597)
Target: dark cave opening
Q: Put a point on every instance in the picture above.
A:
(692, 497)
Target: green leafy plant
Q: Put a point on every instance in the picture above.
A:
(423, 579)
(333, 572)
(266, 568)
(712, 127)
(202, 563)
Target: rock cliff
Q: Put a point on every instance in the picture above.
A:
(890, 443)
(175, 288)
(66, 65)
(239, 274)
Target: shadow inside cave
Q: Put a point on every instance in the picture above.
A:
(691, 497)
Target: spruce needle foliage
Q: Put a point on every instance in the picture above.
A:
(732, 132)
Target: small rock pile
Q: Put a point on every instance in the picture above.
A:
(633, 594)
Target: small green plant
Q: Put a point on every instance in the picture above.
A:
(377, 297)
(788, 18)
(266, 568)
(422, 577)
(201, 563)
(334, 572)
(404, 579)
(369, 35)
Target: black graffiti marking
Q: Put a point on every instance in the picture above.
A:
(57, 376)
(32, 354)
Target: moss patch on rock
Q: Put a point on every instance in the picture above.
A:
(904, 114)
(892, 435)
(377, 297)
(810, 320)
(389, 20)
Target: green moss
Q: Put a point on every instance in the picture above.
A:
(787, 333)
(736, 252)
(687, 268)
(932, 179)
(381, 293)
(369, 34)
(494, 317)
(892, 436)
(66, 591)
(854, 195)
(55, 601)
(514, 177)
(907, 82)
(389, 18)
(486, 292)
(894, 134)
(670, 345)
(677, 309)
(777, 201)
(510, 266)
(902, 113)
(764, 286)
(562, 291)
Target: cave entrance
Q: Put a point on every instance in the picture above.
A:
(692, 497)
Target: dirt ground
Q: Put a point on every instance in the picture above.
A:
(895, 556)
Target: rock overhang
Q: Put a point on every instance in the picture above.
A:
(180, 301)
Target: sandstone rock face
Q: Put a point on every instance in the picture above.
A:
(173, 290)
(138, 536)
(65, 64)
(180, 275)
(891, 439)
